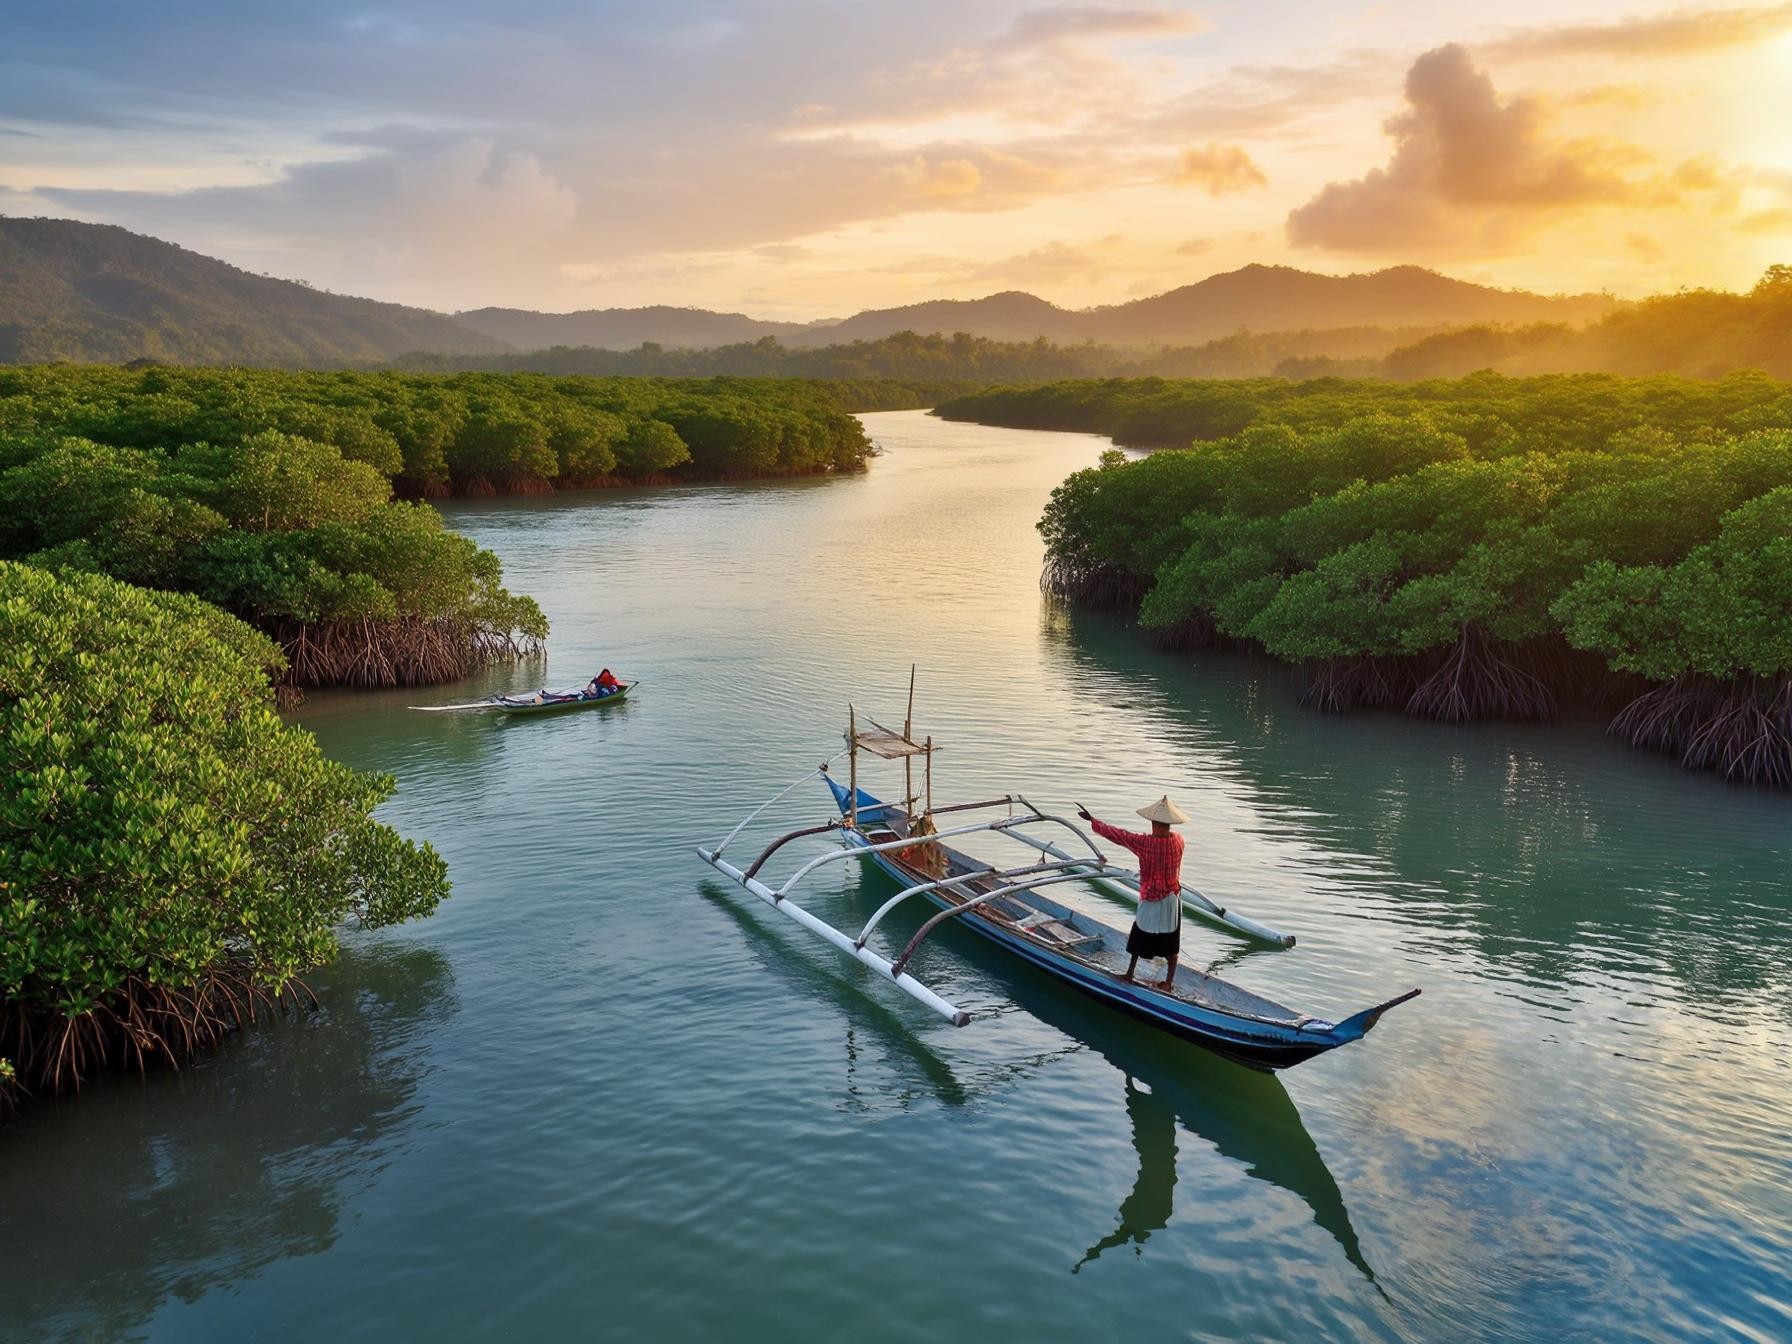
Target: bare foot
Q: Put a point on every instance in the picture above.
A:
(1127, 977)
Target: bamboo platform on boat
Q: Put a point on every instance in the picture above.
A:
(1008, 906)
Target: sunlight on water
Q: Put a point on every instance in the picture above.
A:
(602, 1094)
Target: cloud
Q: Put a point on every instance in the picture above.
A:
(1054, 263)
(1470, 172)
(1049, 66)
(783, 254)
(423, 213)
(1630, 97)
(1642, 246)
(942, 177)
(1776, 219)
(409, 213)
(1220, 170)
(1194, 247)
(26, 203)
(1051, 263)
(1065, 24)
(1676, 34)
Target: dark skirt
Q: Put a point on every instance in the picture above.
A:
(1142, 944)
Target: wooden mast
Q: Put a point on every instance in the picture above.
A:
(852, 775)
(908, 764)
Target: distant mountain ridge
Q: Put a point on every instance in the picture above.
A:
(96, 293)
(1256, 298)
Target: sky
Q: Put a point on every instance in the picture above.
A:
(806, 158)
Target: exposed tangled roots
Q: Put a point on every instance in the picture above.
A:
(1101, 586)
(1338, 684)
(1483, 678)
(1191, 633)
(1741, 727)
(138, 1026)
(1667, 717)
(1478, 677)
(397, 653)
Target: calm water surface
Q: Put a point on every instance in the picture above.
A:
(601, 1095)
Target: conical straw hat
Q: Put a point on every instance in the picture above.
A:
(1164, 810)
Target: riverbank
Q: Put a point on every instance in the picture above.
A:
(290, 499)
(1489, 548)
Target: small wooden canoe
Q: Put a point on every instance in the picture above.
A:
(544, 701)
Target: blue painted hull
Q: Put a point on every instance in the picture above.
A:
(1263, 1044)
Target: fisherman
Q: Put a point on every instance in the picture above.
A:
(604, 683)
(1157, 929)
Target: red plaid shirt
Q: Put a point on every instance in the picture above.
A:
(1160, 859)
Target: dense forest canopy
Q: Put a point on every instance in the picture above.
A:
(465, 434)
(1486, 409)
(1488, 547)
(941, 362)
(273, 494)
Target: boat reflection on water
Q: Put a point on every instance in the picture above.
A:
(1245, 1114)
(1148, 1208)
(880, 1040)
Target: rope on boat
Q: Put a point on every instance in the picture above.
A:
(820, 770)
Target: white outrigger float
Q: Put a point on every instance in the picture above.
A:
(1006, 906)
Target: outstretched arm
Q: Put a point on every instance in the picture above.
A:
(1128, 839)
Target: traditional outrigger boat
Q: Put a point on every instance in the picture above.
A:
(544, 701)
(1006, 906)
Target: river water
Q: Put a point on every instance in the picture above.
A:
(603, 1095)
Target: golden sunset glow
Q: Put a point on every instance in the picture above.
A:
(786, 162)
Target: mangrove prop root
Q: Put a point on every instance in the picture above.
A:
(1100, 586)
(1480, 678)
(1338, 684)
(1740, 727)
(396, 653)
(137, 1026)
(1191, 633)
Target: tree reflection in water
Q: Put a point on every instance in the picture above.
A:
(134, 1192)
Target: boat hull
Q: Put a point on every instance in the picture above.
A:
(1268, 1051)
(561, 706)
(1260, 1044)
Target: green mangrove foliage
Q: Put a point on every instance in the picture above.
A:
(172, 856)
(470, 433)
(1493, 413)
(908, 370)
(1455, 568)
(272, 494)
(282, 531)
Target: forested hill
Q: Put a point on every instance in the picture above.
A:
(1254, 298)
(96, 293)
(1280, 298)
(627, 328)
